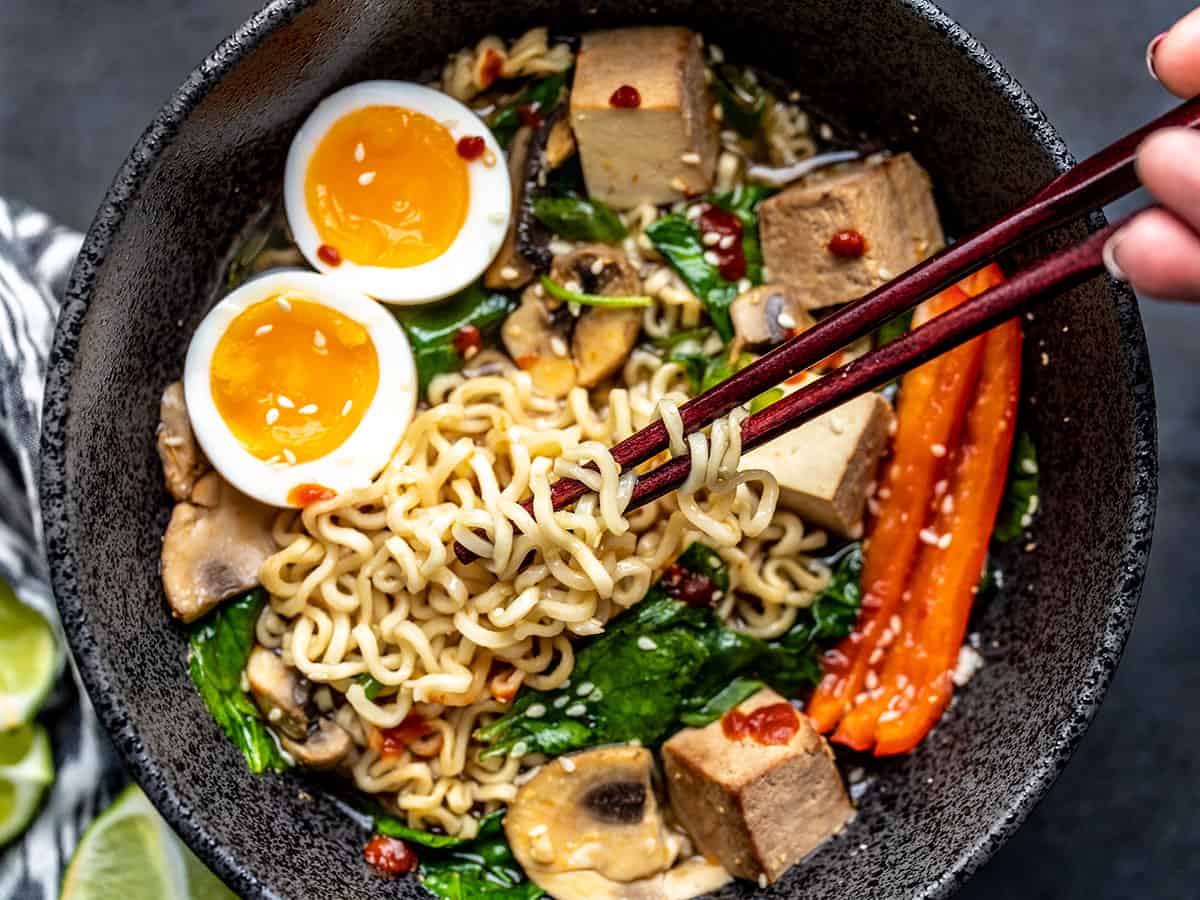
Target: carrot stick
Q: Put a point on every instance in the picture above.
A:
(926, 417)
(886, 678)
(948, 577)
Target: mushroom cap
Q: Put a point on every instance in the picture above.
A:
(769, 314)
(589, 825)
(325, 746)
(214, 548)
(182, 461)
(536, 339)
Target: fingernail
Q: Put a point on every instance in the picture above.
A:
(1110, 257)
(1150, 50)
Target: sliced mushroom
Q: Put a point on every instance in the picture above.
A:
(182, 460)
(533, 238)
(560, 143)
(589, 826)
(279, 691)
(536, 338)
(603, 337)
(326, 745)
(769, 314)
(510, 270)
(212, 552)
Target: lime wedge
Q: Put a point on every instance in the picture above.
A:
(28, 660)
(26, 768)
(131, 854)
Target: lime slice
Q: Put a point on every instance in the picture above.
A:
(131, 854)
(26, 768)
(28, 660)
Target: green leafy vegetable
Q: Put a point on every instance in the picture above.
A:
(554, 289)
(893, 328)
(663, 663)
(677, 238)
(219, 646)
(433, 328)
(738, 690)
(480, 869)
(1021, 497)
(743, 100)
(578, 219)
(393, 827)
(541, 96)
(370, 686)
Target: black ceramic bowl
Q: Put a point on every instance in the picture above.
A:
(149, 269)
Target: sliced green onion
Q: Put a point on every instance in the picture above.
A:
(554, 289)
(765, 399)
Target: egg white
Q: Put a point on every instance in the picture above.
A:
(488, 211)
(364, 453)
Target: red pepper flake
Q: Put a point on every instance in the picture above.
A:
(396, 740)
(329, 255)
(468, 341)
(493, 62)
(625, 97)
(389, 856)
(308, 494)
(526, 361)
(528, 114)
(691, 587)
(470, 148)
(848, 244)
(773, 725)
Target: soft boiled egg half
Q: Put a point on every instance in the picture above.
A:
(299, 387)
(397, 190)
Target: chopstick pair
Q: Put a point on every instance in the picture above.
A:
(1098, 180)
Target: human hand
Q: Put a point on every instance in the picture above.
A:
(1159, 251)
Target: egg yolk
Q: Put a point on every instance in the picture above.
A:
(386, 187)
(292, 378)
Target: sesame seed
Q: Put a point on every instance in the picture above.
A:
(1031, 546)
(360, 152)
(872, 680)
(711, 258)
(597, 266)
(285, 402)
(272, 416)
(309, 409)
(519, 749)
(691, 158)
(263, 329)
(744, 285)
(938, 450)
(885, 273)
(275, 714)
(693, 211)
(575, 710)
(319, 339)
(573, 286)
(584, 689)
(948, 504)
(366, 178)
(289, 456)
(889, 716)
(560, 701)
(929, 536)
(538, 830)
(1045, 358)
(716, 54)
(646, 643)
(567, 763)
(1029, 467)
(558, 346)
(710, 238)
(945, 539)
(825, 131)
(726, 242)
(346, 407)
(786, 320)
(894, 623)
(762, 879)
(679, 184)
(884, 493)
(938, 489)
(717, 112)
(508, 273)
(282, 303)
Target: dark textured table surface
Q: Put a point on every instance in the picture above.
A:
(79, 79)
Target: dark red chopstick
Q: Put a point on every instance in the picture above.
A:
(1050, 277)
(1098, 180)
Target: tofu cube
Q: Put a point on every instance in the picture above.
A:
(757, 808)
(889, 202)
(825, 466)
(664, 149)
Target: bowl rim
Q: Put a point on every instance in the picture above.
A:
(53, 475)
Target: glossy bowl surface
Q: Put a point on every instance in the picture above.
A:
(150, 269)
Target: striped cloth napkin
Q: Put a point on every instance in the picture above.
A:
(35, 259)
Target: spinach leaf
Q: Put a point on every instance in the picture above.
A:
(893, 328)
(717, 369)
(663, 663)
(579, 220)
(480, 869)
(1021, 497)
(738, 690)
(743, 100)
(432, 328)
(393, 827)
(541, 96)
(219, 646)
(677, 238)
